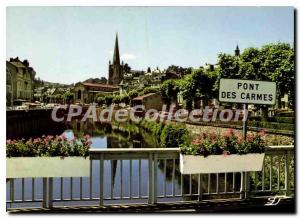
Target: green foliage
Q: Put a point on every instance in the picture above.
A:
(125, 99)
(68, 95)
(198, 85)
(100, 100)
(133, 93)
(169, 135)
(275, 119)
(116, 99)
(169, 89)
(148, 90)
(272, 125)
(48, 146)
(154, 127)
(179, 70)
(173, 135)
(108, 99)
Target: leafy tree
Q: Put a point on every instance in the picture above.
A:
(179, 70)
(198, 86)
(108, 99)
(101, 100)
(132, 94)
(125, 99)
(228, 66)
(68, 96)
(116, 99)
(279, 65)
(169, 90)
(148, 90)
(271, 62)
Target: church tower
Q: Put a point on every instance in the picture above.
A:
(237, 51)
(115, 70)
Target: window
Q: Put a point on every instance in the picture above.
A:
(79, 94)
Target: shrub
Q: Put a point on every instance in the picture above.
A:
(153, 127)
(273, 125)
(173, 135)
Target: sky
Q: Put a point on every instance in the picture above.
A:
(71, 44)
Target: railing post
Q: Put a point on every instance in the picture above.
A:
(155, 178)
(101, 167)
(199, 187)
(242, 188)
(12, 190)
(50, 195)
(45, 205)
(247, 184)
(150, 187)
(287, 174)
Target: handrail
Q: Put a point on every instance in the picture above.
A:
(131, 153)
(116, 150)
(174, 150)
(132, 150)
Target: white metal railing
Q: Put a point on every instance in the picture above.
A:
(151, 175)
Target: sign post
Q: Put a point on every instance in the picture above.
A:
(247, 92)
(245, 122)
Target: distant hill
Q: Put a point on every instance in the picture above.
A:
(39, 83)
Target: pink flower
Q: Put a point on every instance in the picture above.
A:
(262, 132)
(225, 153)
(8, 142)
(229, 132)
(87, 136)
(250, 137)
(49, 137)
(37, 140)
(88, 143)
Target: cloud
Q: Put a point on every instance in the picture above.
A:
(127, 56)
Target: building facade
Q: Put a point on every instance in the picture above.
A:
(85, 93)
(19, 81)
(149, 101)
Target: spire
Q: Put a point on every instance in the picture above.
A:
(116, 58)
(237, 51)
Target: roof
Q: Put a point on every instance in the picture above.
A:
(143, 96)
(18, 64)
(100, 85)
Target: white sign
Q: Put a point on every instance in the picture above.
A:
(247, 91)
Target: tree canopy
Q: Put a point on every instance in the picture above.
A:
(272, 62)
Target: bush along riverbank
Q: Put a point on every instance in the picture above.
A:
(167, 134)
(48, 146)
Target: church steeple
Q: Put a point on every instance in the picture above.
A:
(115, 70)
(237, 51)
(116, 57)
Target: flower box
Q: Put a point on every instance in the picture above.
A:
(194, 164)
(33, 167)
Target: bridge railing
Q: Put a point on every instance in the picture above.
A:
(151, 175)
